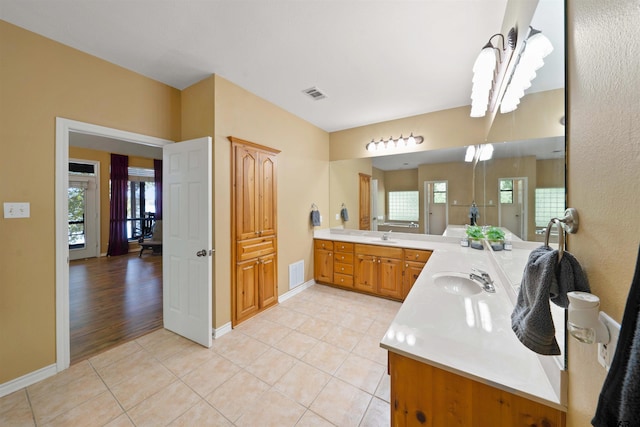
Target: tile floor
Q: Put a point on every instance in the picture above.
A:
(313, 360)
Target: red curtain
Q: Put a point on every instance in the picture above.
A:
(118, 244)
(157, 169)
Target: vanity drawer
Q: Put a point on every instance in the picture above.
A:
(342, 268)
(343, 280)
(254, 248)
(343, 247)
(343, 257)
(324, 244)
(379, 251)
(416, 255)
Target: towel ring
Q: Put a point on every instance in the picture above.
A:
(568, 223)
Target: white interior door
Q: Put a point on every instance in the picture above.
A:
(187, 248)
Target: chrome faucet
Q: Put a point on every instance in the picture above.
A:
(484, 279)
(385, 236)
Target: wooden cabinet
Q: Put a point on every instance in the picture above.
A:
(364, 204)
(254, 234)
(423, 395)
(375, 269)
(323, 261)
(414, 262)
(378, 270)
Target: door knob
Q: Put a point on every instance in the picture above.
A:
(202, 253)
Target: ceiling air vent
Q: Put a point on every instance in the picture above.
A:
(315, 93)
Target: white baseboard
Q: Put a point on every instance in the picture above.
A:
(222, 330)
(27, 380)
(296, 290)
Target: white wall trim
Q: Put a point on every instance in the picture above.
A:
(295, 291)
(27, 380)
(63, 128)
(222, 330)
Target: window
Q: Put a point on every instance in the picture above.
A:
(403, 206)
(506, 191)
(141, 203)
(549, 204)
(440, 192)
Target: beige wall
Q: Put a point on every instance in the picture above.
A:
(440, 129)
(42, 80)
(604, 160)
(344, 184)
(303, 177)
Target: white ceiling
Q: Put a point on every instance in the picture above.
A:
(375, 60)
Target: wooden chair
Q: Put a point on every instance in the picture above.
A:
(155, 242)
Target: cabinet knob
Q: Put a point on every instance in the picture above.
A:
(417, 256)
(342, 268)
(406, 265)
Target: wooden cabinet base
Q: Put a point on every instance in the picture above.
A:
(423, 395)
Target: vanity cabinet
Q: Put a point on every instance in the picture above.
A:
(384, 271)
(414, 262)
(378, 270)
(422, 394)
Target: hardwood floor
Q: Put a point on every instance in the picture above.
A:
(113, 300)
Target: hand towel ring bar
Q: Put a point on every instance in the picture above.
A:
(568, 223)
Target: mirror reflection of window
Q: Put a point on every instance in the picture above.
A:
(440, 192)
(404, 205)
(506, 191)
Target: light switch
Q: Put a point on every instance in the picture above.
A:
(16, 210)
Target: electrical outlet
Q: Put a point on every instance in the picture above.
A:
(606, 351)
(338, 216)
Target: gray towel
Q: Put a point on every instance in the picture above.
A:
(619, 401)
(344, 214)
(315, 218)
(545, 279)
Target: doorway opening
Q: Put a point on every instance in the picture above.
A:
(513, 205)
(65, 130)
(436, 207)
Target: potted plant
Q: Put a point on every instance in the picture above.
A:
(495, 236)
(475, 235)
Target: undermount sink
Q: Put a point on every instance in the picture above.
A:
(456, 283)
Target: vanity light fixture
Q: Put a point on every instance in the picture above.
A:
(390, 144)
(488, 73)
(531, 58)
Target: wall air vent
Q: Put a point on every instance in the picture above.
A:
(315, 93)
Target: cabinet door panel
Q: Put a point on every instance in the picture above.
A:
(268, 282)
(246, 193)
(390, 277)
(366, 272)
(323, 265)
(267, 197)
(411, 272)
(247, 277)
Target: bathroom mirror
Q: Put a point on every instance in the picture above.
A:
(520, 188)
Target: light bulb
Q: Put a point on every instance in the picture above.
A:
(411, 141)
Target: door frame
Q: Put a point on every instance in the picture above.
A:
(525, 203)
(63, 128)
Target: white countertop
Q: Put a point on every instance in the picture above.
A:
(468, 335)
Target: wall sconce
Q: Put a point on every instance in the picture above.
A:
(586, 323)
(390, 144)
(478, 153)
(488, 73)
(535, 48)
